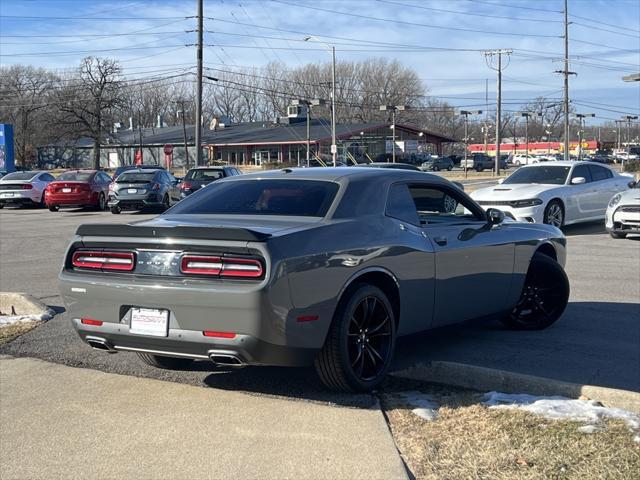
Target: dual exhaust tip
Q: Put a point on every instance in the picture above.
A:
(219, 358)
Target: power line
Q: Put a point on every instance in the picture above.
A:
(402, 22)
(519, 6)
(34, 17)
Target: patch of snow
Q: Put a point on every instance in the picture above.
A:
(588, 429)
(6, 320)
(562, 408)
(421, 404)
(636, 439)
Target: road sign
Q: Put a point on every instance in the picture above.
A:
(168, 149)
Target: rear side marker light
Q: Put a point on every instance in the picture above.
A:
(209, 333)
(221, 266)
(97, 260)
(90, 321)
(307, 318)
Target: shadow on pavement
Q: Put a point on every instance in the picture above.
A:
(589, 228)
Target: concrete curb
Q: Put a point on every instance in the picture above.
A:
(23, 304)
(487, 379)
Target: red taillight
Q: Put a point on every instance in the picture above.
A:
(185, 186)
(209, 333)
(91, 321)
(27, 186)
(97, 260)
(221, 266)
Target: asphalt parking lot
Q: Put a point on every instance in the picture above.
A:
(596, 342)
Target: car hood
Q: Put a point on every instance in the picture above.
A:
(517, 191)
(273, 225)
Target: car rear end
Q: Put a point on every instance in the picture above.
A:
(135, 190)
(72, 189)
(197, 178)
(18, 189)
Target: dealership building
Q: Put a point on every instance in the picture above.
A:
(253, 143)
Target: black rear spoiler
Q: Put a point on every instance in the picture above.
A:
(200, 233)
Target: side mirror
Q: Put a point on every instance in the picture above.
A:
(578, 180)
(495, 216)
(632, 184)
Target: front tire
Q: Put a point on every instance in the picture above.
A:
(167, 363)
(102, 203)
(554, 214)
(618, 235)
(54, 208)
(544, 296)
(360, 343)
(116, 210)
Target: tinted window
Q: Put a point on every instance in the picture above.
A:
(437, 202)
(599, 173)
(76, 176)
(582, 171)
(400, 204)
(47, 177)
(20, 176)
(136, 177)
(543, 174)
(309, 198)
(205, 175)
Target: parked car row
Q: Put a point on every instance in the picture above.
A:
(131, 187)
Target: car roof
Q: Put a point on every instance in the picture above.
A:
(211, 167)
(146, 170)
(564, 163)
(339, 173)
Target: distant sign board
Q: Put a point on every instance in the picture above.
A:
(402, 146)
(7, 161)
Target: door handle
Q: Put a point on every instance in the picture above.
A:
(440, 240)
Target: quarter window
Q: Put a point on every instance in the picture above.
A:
(400, 204)
(599, 173)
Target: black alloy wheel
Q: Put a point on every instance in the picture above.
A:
(360, 343)
(544, 296)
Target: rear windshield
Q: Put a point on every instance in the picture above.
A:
(544, 174)
(20, 176)
(308, 198)
(204, 175)
(136, 177)
(75, 176)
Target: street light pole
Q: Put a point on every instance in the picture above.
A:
(581, 117)
(526, 116)
(393, 109)
(628, 118)
(334, 146)
(308, 104)
(466, 114)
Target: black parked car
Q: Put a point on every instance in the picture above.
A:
(437, 163)
(141, 188)
(198, 177)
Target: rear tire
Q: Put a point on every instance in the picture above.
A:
(618, 235)
(436, 168)
(116, 210)
(166, 204)
(167, 363)
(1, 206)
(449, 168)
(479, 168)
(544, 296)
(360, 343)
(54, 208)
(102, 203)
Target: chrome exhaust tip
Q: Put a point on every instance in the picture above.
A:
(226, 359)
(98, 343)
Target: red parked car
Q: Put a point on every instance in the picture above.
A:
(78, 188)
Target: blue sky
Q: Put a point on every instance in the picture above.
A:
(441, 39)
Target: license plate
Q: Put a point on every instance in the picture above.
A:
(7, 195)
(149, 321)
(66, 190)
(131, 190)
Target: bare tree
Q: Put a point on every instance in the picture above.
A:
(89, 98)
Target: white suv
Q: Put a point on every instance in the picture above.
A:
(519, 160)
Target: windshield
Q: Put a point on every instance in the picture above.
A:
(76, 176)
(545, 174)
(20, 176)
(205, 175)
(136, 177)
(309, 198)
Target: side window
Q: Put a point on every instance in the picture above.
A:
(599, 173)
(582, 171)
(435, 203)
(400, 205)
(48, 177)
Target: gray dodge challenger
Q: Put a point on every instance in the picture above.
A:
(323, 266)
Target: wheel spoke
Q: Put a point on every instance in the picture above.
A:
(373, 359)
(374, 352)
(359, 357)
(369, 307)
(539, 304)
(378, 327)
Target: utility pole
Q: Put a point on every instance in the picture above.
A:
(566, 74)
(181, 104)
(628, 119)
(199, 87)
(488, 58)
(466, 114)
(393, 109)
(548, 132)
(334, 146)
(581, 117)
(140, 135)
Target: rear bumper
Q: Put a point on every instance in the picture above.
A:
(19, 197)
(149, 200)
(71, 200)
(245, 349)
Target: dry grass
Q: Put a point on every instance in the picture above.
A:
(13, 331)
(470, 441)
